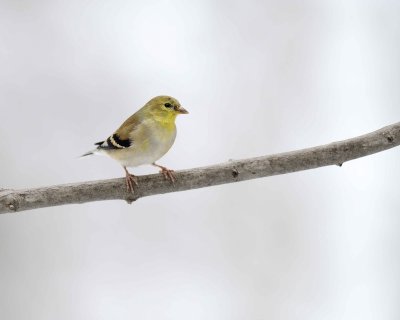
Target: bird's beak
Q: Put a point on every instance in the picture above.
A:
(182, 110)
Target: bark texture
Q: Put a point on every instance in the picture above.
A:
(335, 153)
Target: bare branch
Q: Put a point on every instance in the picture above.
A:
(233, 171)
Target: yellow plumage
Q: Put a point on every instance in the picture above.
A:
(144, 137)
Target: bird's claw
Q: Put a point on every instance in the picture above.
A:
(168, 174)
(131, 180)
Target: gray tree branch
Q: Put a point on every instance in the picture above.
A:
(334, 153)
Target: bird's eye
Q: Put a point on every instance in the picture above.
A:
(168, 105)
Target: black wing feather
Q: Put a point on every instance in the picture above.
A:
(114, 142)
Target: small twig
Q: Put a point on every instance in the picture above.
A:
(233, 171)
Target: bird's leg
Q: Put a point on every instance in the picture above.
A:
(130, 180)
(167, 173)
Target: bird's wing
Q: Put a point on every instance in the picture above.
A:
(121, 138)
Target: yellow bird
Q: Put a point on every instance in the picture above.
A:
(144, 138)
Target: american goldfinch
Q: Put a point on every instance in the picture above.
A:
(144, 138)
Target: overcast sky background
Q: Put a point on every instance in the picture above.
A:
(258, 77)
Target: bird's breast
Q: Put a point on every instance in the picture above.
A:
(149, 143)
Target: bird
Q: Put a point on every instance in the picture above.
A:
(144, 138)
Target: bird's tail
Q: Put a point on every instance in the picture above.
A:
(87, 154)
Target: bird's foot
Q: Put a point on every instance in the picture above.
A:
(130, 181)
(167, 173)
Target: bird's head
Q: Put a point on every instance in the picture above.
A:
(165, 106)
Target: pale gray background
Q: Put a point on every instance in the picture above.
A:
(258, 77)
